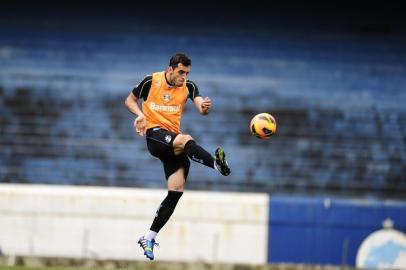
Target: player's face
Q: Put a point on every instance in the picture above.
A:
(178, 75)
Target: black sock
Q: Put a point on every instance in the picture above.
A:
(197, 153)
(165, 210)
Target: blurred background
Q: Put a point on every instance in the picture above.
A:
(333, 74)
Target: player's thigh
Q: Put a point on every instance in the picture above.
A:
(172, 166)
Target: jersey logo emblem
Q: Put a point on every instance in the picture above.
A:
(168, 138)
(167, 97)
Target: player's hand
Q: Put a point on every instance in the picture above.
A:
(206, 105)
(140, 124)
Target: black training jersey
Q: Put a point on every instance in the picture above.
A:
(142, 89)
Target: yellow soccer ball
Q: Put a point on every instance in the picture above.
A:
(263, 125)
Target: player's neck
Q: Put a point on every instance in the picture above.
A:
(167, 82)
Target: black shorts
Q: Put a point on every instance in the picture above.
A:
(160, 145)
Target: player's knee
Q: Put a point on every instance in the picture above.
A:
(176, 185)
(180, 142)
(185, 139)
(178, 188)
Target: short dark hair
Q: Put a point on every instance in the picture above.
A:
(179, 58)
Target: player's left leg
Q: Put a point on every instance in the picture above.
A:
(185, 143)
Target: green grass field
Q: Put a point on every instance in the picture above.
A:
(33, 268)
(58, 268)
(52, 268)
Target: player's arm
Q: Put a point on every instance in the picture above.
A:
(203, 105)
(131, 102)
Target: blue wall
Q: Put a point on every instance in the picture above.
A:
(326, 230)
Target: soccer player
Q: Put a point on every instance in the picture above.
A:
(164, 95)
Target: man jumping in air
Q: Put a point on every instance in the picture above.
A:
(164, 95)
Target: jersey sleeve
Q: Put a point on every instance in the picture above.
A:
(142, 89)
(193, 89)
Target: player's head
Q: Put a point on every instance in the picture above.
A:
(178, 69)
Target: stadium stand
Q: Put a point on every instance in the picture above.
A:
(338, 99)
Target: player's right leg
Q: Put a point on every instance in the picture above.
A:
(185, 143)
(176, 184)
(176, 168)
(148, 246)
